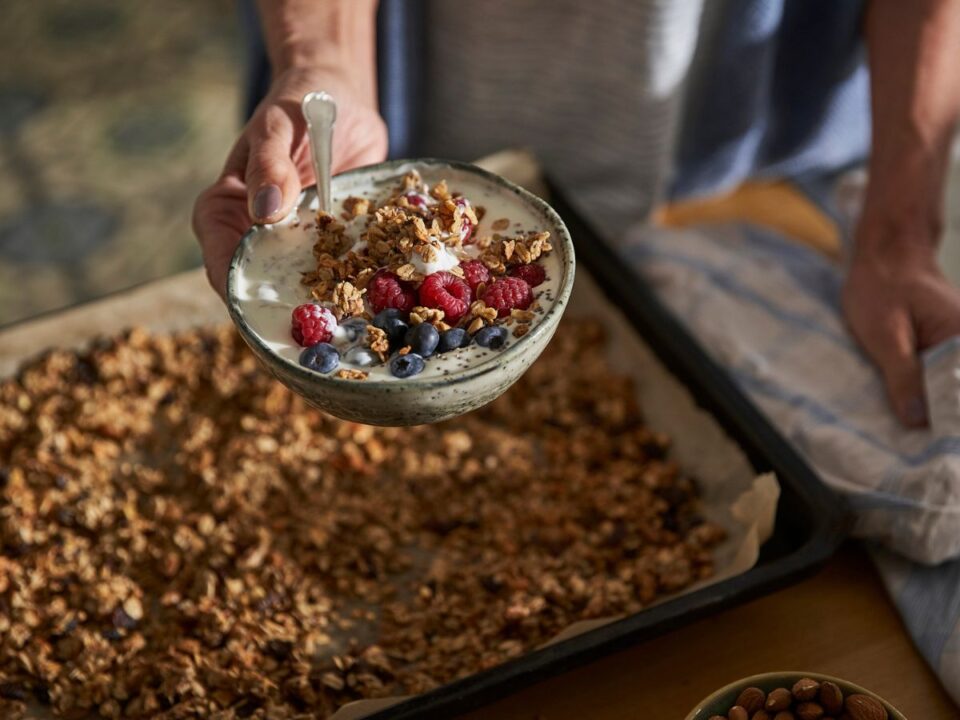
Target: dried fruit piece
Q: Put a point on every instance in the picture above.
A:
(738, 713)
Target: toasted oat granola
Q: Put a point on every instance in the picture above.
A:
(181, 536)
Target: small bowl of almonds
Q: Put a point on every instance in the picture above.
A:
(793, 696)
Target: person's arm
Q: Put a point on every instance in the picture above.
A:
(312, 45)
(896, 300)
(332, 34)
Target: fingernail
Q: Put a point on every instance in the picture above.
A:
(266, 202)
(916, 412)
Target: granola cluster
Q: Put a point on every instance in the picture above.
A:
(406, 259)
(397, 231)
(180, 536)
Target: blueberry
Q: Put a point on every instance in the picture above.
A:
(492, 337)
(396, 330)
(322, 357)
(381, 318)
(422, 339)
(354, 328)
(404, 366)
(394, 324)
(453, 339)
(360, 356)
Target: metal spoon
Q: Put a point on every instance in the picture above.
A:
(320, 112)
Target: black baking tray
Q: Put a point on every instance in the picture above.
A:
(811, 521)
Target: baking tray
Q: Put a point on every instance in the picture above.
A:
(811, 521)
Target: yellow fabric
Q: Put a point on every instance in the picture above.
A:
(776, 205)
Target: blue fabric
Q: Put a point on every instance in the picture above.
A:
(767, 309)
(779, 88)
(257, 71)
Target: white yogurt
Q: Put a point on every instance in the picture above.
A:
(446, 259)
(268, 285)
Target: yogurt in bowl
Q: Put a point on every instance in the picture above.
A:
(427, 291)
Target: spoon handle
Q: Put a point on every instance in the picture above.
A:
(320, 112)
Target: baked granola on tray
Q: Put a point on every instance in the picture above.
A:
(180, 535)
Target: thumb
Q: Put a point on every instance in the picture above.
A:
(893, 348)
(273, 183)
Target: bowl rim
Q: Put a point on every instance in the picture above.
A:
(455, 376)
(776, 675)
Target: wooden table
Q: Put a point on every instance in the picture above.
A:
(838, 622)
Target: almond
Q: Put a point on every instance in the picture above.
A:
(809, 711)
(805, 689)
(738, 713)
(831, 698)
(761, 715)
(784, 715)
(862, 707)
(778, 700)
(751, 699)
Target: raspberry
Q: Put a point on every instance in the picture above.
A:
(311, 324)
(533, 274)
(508, 293)
(475, 272)
(386, 290)
(466, 227)
(418, 201)
(448, 292)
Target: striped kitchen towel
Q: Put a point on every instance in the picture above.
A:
(768, 310)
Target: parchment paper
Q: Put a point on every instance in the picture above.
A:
(733, 496)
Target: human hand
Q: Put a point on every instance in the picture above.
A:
(897, 304)
(270, 162)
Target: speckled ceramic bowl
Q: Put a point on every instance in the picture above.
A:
(417, 400)
(719, 703)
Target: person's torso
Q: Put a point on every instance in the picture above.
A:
(627, 101)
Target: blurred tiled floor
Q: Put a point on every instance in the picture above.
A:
(113, 115)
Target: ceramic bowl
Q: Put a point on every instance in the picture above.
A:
(417, 400)
(719, 703)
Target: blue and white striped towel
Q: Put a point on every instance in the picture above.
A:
(768, 309)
